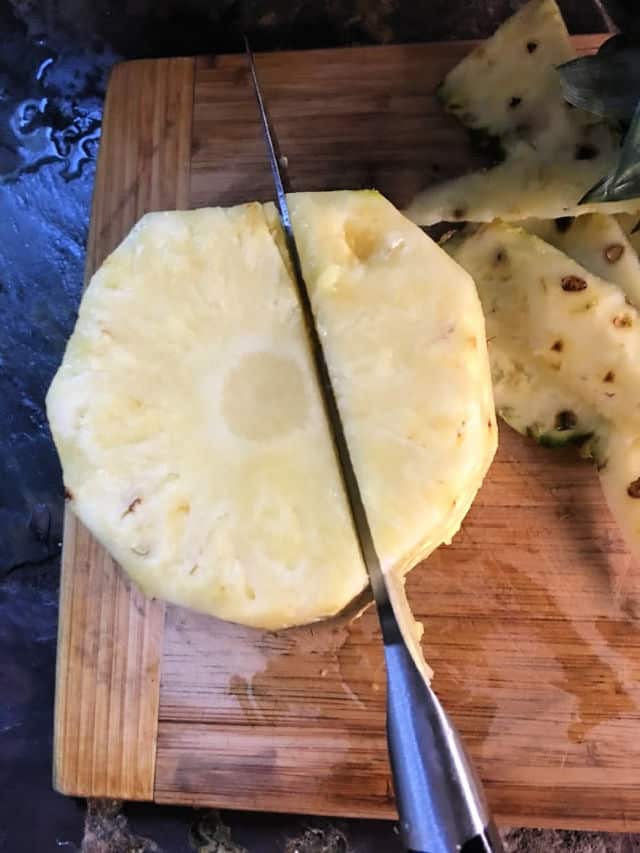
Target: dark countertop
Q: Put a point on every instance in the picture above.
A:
(55, 56)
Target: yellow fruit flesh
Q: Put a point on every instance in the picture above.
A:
(189, 423)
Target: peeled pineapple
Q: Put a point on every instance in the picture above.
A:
(189, 423)
(564, 346)
(508, 88)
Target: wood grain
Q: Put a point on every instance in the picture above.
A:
(110, 635)
(530, 615)
(352, 118)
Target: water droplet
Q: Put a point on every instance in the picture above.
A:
(42, 68)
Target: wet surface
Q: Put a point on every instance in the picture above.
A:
(55, 56)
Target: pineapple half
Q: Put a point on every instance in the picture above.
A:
(508, 88)
(564, 346)
(189, 423)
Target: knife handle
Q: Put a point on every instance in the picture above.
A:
(440, 800)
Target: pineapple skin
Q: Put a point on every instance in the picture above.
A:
(191, 431)
(599, 244)
(543, 308)
(508, 89)
(565, 360)
(525, 185)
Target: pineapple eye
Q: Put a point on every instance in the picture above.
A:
(586, 151)
(566, 420)
(622, 321)
(132, 507)
(613, 253)
(563, 223)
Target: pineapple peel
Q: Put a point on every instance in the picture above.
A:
(190, 427)
(564, 344)
(509, 89)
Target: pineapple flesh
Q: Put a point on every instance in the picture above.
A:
(564, 346)
(509, 89)
(190, 427)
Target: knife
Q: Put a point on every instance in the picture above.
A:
(439, 798)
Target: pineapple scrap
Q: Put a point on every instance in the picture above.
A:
(190, 426)
(508, 88)
(564, 346)
(599, 243)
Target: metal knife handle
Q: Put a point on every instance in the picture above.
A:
(439, 798)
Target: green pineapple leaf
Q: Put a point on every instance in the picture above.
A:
(607, 83)
(624, 181)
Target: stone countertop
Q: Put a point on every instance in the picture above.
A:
(55, 56)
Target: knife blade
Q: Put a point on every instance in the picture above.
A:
(439, 798)
(336, 428)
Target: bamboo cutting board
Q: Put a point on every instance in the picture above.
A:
(530, 615)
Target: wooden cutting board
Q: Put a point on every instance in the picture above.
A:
(530, 615)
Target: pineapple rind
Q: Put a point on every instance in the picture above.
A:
(524, 185)
(508, 87)
(598, 243)
(541, 303)
(554, 152)
(592, 382)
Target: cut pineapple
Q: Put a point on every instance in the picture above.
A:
(394, 343)
(565, 355)
(509, 88)
(189, 423)
(599, 244)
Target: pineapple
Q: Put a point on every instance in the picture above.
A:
(190, 426)
(630, 224)
(597, 242)
(618, 458)
(564, 346)
(524, 185)
(508, 88)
